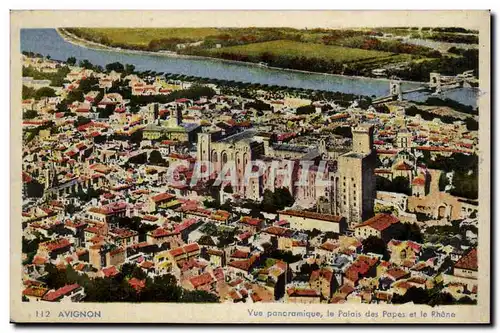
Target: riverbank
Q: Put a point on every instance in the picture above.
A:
(73, 39)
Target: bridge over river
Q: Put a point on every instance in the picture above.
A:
(437, 84)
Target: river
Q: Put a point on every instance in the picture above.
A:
(49, 42)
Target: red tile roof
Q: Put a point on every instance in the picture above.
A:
(279, 231)
(110, 271)
(39, 260)
(380, 221)
(251, 221)
(201, 280)
(240, 254)
(404, 166)
(137, 284)
(293, 292)
(56, 244)
(59, 293)
(34, 291)
(468, 261)
(162, 197)
(244, 264)
(312, 215)
(193, 247)
(418, 181)
(321, 273)
(397, 273)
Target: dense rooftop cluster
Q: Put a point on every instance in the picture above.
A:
(102, 205)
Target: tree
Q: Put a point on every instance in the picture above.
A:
(156, 158)
(107, 111)
(413, 294)
(55, 278)
(81, 121)
(30, 114)
(277, 200)
(161, 289)
(127, 269)
(466, 300)
(71, 61)
(376, 245)
(443, 181)
(129, 69)
(412, 232)
(307, 269)
(306, 109)
(343, 131)
(138, 159)
(28, 92)
(401, 185)
(198, 296)
(115, 66)
(86, 64)
(89, 84)
(45, 92)
(138, 273)
(74, 96)
(465, 185)
(228, 189)
(34, 189)
(136, 137)
(441, 299)
(70, 209)
(283, 198)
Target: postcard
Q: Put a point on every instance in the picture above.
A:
(250, 167)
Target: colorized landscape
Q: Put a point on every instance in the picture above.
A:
(409, 53)
(250, 165)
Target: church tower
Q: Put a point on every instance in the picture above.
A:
(203, 147)
(175, 119)
(356, 181)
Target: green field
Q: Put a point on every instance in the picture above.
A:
(143, 36)
(297, 49)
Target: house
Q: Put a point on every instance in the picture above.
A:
(280, 238)
(68, 293)
(304, 220)
(183, 253)
(363, 266)
(104, 255)
(109, 272)
(123, 237)
(384, 226)
(404, 252)
(465, 270)
(216, 257)
(137, 284)
(105, 213)
(242, 268)
(251, 224)
(162, 235)
(203, 281)
(163, 263)
(302, 295)
(54, 248)
(467, 265)
(160, 200)
(419, 186)
(274, 278)
(34, 293)
(323, 281)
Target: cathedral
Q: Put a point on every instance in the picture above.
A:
(350, 191)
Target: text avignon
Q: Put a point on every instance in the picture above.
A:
(79, 314)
